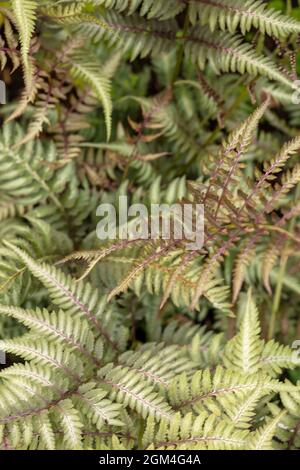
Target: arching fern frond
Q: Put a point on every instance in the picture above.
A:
(89, 73)
(233, 14)
(25, 17)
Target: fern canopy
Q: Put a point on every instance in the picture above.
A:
(111, 339)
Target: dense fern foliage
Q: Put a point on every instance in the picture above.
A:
(142, 343)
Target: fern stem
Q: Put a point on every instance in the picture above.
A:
(277, 296)
(180, 52)
(289, 7)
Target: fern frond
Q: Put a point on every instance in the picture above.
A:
(276, 357)
(38, 350)
(243, 352)
(142, 348)
(46, 431)
(200, 433)
(227, 53)
(25, 16)
(223, 391)
(262, 440)
(147, 363)
(162, 9)
(25, 175)
(68, 295)
(233, 14)
(71, 424)
(70, 330)
(89, 74)
(128, 388)
(97, 407)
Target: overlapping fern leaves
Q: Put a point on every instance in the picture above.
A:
(143, 28)
(236, 211)
(143, 344)
(70, 381)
